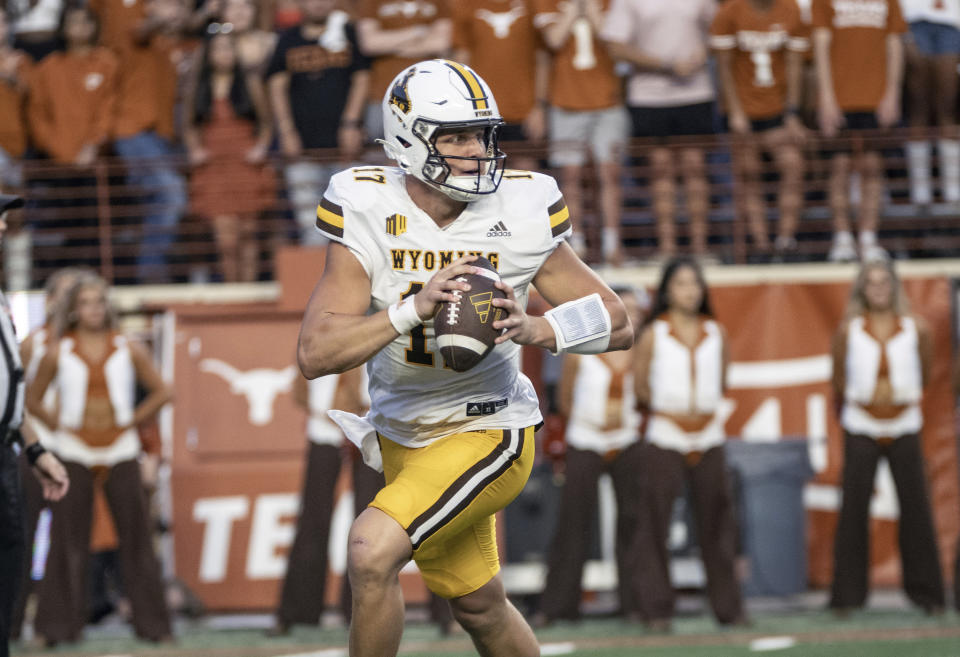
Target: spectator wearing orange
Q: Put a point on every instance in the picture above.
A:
(95, 369)
(396, 35)
(144, 34)
(498, 40)
(15, 68)
(73, 95)
(586, 113)
(669, 93)
(759, 45)
(859, 56)
(318, 84)
(933, 53)
(228, 132)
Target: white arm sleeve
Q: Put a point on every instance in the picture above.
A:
(582, 326)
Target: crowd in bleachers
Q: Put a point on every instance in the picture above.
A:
(214, 109)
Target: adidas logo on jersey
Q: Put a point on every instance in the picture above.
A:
(475, 409)
(499, 230)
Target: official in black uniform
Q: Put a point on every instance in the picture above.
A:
(13, 438)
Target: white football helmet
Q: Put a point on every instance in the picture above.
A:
(430, 98)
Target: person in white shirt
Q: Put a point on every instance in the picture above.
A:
(669, 93)
(881, 364)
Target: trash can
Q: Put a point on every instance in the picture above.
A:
(770, 479)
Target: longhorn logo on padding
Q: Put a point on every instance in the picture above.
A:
(260, 386)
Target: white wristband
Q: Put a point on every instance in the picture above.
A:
(581, 326)
(403, 315)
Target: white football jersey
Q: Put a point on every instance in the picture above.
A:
(414, 399)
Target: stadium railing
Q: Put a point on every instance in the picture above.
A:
(94, 217)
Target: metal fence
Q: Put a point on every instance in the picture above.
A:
(104, 218)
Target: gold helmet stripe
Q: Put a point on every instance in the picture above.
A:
(477, 94)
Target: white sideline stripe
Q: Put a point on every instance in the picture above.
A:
(770, 643)
(557, 648)
(780, 373)
(465, 341)
(335, 652)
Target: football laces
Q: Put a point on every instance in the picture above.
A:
(453, 309)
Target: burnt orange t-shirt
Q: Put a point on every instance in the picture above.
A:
(13, 101)
(502, 42)
(148, 88)
(148, 76)
(759, 41)
(858, 50)
(118, 21)
(581, 74)
(72, 101)
(394, 15)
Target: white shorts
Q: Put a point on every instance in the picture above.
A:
(604, 131)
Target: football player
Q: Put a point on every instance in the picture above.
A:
(455, 447)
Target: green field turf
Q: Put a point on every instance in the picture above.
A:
(892, 633)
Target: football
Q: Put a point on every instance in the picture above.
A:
(464, 328)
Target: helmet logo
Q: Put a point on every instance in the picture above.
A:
(399, 96)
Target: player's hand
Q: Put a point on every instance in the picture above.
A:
(441, 285)
(520, 327)
(830, 117)
(52, 477)
(888, 111)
